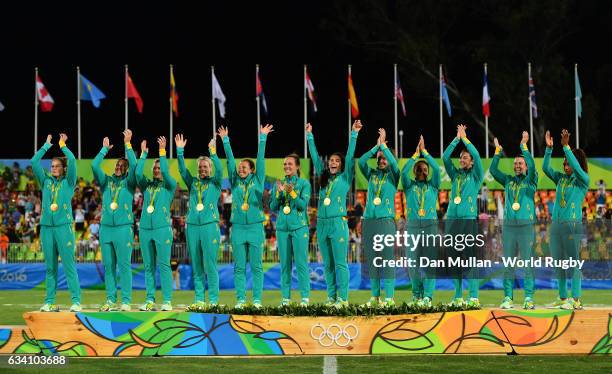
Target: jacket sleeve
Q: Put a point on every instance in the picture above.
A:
(497, 174)
(435, 170)
(349, 168)
(231, 162)
(478, 168)
(169, 181)
(366, 170)
(218, 176)
(451, 170)
(131, 156)
(406, 180)
(581, 175)
(260, 164)
(71, 172)
(532, 173)
(301, 200)
(392, 162)
(314, 155)
(98, 173)
(141, 180)
(548, 170)
(39, 173)
(185, 174)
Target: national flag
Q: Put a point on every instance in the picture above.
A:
(132, 93)
(45, 101)
(399, 95)
(89, 92)
(578, 95)
(259, 91)
(310, 89)
(485, 97)
(352, 97)
(444, 94)
(173, 94)
(532, 97)
(217, 93)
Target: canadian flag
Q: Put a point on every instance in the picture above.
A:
(44, 98)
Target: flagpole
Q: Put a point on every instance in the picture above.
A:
(214, 114)
(171, 116)
(305, 111)
(395, 106)
(576, 103)
(486, 120)
(126, 97)
(257, 101)
(530, 112)
(441, 117)
(79, 109)
(35, 109)
(349, 105)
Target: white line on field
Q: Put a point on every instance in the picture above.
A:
(330, 365)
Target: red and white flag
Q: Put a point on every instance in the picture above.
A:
(310, 89)
(44, 98)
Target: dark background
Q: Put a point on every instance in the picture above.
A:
(281, 37)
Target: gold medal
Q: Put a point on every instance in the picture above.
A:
(377, 200)
(287, 209)
(150, 209)
(200, 207)
(516, 206)
(54, 207)
(422, 212)
(114, 205)
(245, 207)
(457, 200)
(327, 201)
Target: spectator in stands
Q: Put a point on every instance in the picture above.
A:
(79, 218)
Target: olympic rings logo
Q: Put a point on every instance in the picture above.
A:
(334, 334)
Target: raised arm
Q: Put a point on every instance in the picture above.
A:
(141, 180)
(71, 169)
(548, 170)
(212, 150)
(260, 165)
(349, 168)
(406, 180)
(532, 173)
(169, 181)
(391, 161)
(478, 168)
(366, 170)
(98, 173)
(451, 170)
(39, 172)
(180, 154)
(131, 156)
(312, 148)
(229, 155)
(572, 161)
(497, 174)
(435, 169)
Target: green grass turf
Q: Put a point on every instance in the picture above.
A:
(14, 303)
(345, 364)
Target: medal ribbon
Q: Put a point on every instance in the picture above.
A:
(380, 183)
(55, 188)
(200, 190)
(115, 191)
(153, 194)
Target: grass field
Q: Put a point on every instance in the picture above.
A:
(342, 364)
(14, 303)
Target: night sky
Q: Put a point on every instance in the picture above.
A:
(281, 38)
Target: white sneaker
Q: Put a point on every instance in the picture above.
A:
(305, 301)
(240, 304)
(49, 308)
(147, 306)
(76, 307)
(126, 307)
(257, 304)
(166, 307)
